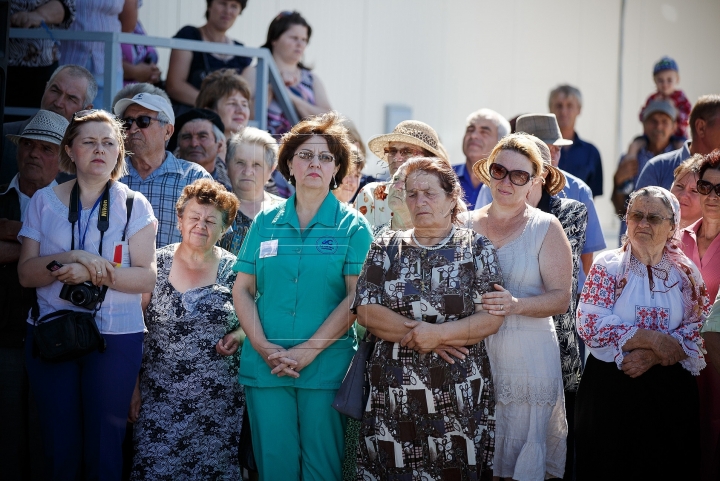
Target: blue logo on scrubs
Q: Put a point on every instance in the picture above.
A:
(326, 245)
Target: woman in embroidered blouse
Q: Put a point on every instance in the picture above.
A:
(701, 243)
(251, 159)
(82, 403)
(640, 315)
(431, 410)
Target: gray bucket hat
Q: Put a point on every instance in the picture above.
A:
(542, 126)
(46, 126)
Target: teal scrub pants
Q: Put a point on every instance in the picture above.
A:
(296, 434)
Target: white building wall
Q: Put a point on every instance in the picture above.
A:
(447, 59)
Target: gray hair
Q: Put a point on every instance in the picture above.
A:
(257, 137)
(566, 90)
(501, 123)
(130, 91)
(79, 72)
(219, 135)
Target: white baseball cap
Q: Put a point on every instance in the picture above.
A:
(150, 101)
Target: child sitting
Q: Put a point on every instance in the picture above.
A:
(666, 76)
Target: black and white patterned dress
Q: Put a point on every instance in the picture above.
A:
(428, 419)
(192, 404)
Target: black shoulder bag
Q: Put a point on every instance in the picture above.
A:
(66, 334)
(352, 396)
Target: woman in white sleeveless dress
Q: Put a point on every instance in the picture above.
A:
(536, 264)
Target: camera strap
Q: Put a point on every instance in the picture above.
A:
(103, 222)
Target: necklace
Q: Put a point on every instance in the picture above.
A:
(513, 228)
(435, 247)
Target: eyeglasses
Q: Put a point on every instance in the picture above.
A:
(308, 156)
(80, 114)
(704, 187)
(517, 177)
(142, 121)
(653, 219)
(405, 153)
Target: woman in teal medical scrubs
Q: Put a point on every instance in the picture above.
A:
(297, 272)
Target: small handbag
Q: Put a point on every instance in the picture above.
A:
(66, 335)
(354, 391)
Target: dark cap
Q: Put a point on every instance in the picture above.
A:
(193, 114)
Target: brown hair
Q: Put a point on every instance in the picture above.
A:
(709, 161)
(449, 182)
(707, 108)
(355, 136)
(689, 166)
(73, 130)
(330, 127)
(219, 84)
(209, 192)
(521, 143)
(243, 4)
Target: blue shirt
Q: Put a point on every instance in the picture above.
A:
(582, 159)
(163, 188)
(660, 170)
(471, 192)
(574, 189)
(300, 280)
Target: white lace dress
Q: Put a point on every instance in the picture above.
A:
(525, 358)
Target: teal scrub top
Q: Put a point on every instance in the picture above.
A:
(300, 280)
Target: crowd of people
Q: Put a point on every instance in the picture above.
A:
(227, 273)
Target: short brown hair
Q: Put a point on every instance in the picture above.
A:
(330, 127)
(449, 181)
(707, 108)
(709, 161)
(219, 84)
(73, 130)
(689, 166)
(209, 192)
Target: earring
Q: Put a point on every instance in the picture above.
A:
(334, 182)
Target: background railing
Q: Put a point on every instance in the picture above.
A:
(267, 72)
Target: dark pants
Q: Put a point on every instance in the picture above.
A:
(20, 445)
(83, 407)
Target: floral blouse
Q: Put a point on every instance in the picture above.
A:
(372, 202)
(616, 302)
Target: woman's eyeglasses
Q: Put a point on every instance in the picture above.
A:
(405, 153)
(142, 121)
(704, 187)
(308, 156)
(637, 217)
(517, 177)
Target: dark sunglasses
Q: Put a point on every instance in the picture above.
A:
(517, 177)
(704, 187)
(653, 219)
(142, 121)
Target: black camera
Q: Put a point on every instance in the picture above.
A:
(85, 295)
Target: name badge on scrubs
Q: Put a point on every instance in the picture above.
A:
(268, 248)
(121, 254)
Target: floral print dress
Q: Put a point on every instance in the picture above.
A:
(427, 419)
(192, 404)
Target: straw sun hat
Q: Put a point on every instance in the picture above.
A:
(411, 132)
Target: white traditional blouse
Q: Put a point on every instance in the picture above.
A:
(615, 303)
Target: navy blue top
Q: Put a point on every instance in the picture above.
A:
(469, 190)
(582, 159)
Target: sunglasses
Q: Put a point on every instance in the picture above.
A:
(405, 153)
(142, 121)
(308, 156)
(517, 177)
(704, 187)
(653, 219)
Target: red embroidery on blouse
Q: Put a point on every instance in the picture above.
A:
(599, 288)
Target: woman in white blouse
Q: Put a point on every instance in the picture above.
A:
(83, 403)
(640, 315)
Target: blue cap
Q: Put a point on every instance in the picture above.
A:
(665, 63)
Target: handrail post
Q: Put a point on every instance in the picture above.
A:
(261, 93)
(112, 57)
